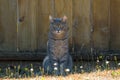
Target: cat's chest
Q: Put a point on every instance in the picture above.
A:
(58, 48)
(55, 35)
(58, 43)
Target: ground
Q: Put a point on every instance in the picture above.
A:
(82, 70)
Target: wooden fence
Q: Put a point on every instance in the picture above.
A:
(94, 24)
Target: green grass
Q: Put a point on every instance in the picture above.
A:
(82, 70)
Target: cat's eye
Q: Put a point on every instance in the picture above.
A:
(55, 27)
(61, 26)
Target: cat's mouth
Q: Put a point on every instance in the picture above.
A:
(59, 34)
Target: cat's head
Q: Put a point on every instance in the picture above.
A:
(58, 27)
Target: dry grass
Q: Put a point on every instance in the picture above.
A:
(98, 75)
(98, 70)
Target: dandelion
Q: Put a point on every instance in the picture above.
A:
(55, 64)
(81, 67)
(67, 70)
(107, 62)
(118, 64)
(55, 68)
(31, 70)
(98, 61)
(9, 68)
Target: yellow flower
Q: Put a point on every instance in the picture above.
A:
(42, 78)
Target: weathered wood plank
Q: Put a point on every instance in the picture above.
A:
(8, 24)
(81, 26)
(27, 25)
(115, 24)
(44, 10)
(101, 34)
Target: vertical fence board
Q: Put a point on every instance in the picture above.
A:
(8, 25)
(64, 7)
(101, 32)
(27, 25)
(115, 25)
(45, 8)
(23, 25)
(33, 22)
(81, 26)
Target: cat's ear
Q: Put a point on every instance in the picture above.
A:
(50, 18)
(64, 18)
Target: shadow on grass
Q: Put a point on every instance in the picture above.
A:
(21, 69)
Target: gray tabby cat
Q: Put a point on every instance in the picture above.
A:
(58, 60)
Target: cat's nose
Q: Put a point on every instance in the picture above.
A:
(58, 30)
